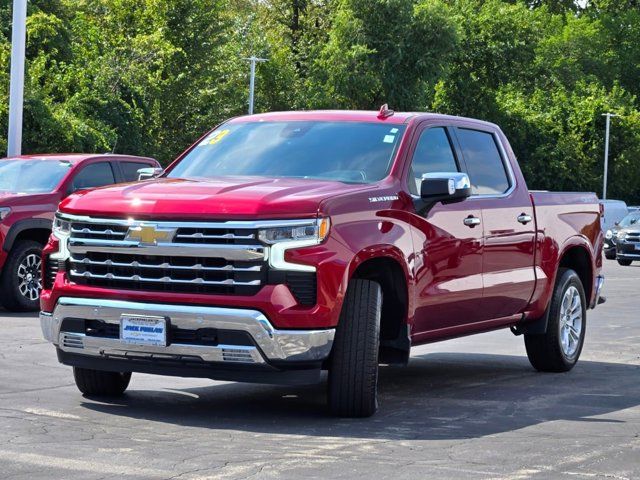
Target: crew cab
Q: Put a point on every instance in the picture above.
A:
(283, 244)
(31, 186)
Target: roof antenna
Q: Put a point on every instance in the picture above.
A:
(385, 112)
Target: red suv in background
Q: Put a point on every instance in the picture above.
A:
(31, 187)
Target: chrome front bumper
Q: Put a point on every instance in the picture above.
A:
(270, 344)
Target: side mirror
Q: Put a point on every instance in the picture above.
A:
(616, 223)
(149, 172)
(445, 186)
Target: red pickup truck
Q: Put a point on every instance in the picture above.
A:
(284, 244)
(31, 186)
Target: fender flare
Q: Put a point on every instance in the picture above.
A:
(394, 350)
(24, 225)
(539, 326)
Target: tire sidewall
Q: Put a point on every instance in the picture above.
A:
(11, 281)
(569, 279)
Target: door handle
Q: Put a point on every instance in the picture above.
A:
(471, 221)
(523, 218)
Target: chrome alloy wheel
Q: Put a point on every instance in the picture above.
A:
(29, 278)
(570, 321)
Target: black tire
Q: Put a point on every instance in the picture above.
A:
(99, 383)
(624, 263)
(353, 368)
(545, 351)
(610, 256)
(12, 297)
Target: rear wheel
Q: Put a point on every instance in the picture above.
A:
(100, 383)
(624, 263)
(353, 369)
(559, 348)
(20, 282)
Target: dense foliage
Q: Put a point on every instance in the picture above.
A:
(149, 76)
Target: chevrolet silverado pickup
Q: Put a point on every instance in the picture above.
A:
(284, 244)
(31, 187)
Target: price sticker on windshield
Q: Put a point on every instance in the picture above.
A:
(215, 137)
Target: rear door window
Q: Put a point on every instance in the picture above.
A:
(485, 165)
(94, 175)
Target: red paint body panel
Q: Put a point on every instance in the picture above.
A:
(459, 280)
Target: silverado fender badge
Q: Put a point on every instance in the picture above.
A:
(386, 198)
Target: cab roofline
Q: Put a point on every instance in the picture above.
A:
(371, 116)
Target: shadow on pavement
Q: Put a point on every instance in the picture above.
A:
(438, 396)
(8, 314)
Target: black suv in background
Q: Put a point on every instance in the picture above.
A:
(622, 242)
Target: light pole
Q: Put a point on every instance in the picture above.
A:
(16, 87)
(606, 153)
(252, 79)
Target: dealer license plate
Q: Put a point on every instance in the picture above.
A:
(637, 246)
(143, 330)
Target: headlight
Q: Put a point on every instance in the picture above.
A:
(608, 235)
(316, 231)
(300, 234)
(61, 226)
(4, 211)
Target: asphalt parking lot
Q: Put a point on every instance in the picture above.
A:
(467, 408)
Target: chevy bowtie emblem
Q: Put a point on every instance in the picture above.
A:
(150, 234)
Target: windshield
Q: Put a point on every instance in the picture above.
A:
(631, 219)
(31, 176)
(344, 151)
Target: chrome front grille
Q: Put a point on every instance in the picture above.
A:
(220, 258)
(633, 237)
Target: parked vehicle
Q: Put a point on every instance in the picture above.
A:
(628, 224)
(31, 187)
(622, 242)
(283, 244)
(613, 211)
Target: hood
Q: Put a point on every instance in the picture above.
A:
(10, 199)
(6, 198)
(220, 198)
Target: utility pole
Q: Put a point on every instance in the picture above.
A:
(16, 87)
(606, 153)
(252, 79)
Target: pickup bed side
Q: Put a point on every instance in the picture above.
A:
(568, 234)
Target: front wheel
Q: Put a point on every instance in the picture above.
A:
(353, 369)
(99, 383)
(558, 349)
(624, 263)
(20, 282)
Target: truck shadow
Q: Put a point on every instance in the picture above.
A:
(7, 314)
(438, 396)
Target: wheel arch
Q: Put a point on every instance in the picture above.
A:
(386, 266)
(575, 255)
(578, 258)
(37, 229)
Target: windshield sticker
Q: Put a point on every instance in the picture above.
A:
(389, 138)
(393, 130)
(214, 138)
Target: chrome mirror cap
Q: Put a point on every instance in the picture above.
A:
(149, 172)
(444, 186)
